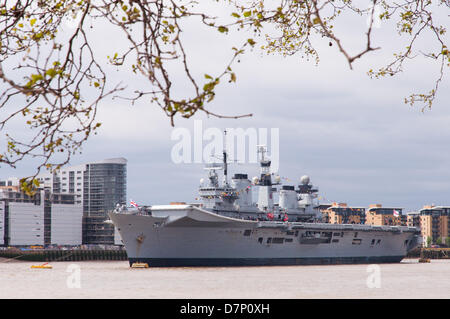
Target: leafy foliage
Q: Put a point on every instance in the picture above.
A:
(63, 80)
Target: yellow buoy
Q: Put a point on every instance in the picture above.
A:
(139, 265)
(43, 266)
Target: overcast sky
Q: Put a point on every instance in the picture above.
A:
(352, 135)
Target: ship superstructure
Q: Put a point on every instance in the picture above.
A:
(228, 228)
(235, 199)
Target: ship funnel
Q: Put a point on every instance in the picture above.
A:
(241, 183)
(288, 198)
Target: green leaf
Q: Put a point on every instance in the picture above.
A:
(51, 73)
(223, 29)
(35, 78)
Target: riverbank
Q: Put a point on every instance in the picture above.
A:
(429, 253)
(48, 255)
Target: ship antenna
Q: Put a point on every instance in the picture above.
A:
(225, 168)
(262, 149)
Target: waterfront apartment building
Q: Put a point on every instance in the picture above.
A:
(11, 183)
(435, 224)
(98, 187)
(41, 219)
(378, 215)
(341, 213)
(413, 219)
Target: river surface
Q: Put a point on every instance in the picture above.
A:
(115, 279)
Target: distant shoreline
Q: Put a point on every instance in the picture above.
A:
(63, 255)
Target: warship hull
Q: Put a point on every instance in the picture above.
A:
(185, 235)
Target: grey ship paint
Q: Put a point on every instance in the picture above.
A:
(228, 229)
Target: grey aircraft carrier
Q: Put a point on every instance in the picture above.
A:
(228, 229)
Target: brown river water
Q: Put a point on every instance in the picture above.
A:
(115, 279)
